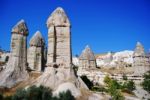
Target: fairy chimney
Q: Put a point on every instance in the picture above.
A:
(87, 59)
(59, 42)
(16, 69)
(35, 57)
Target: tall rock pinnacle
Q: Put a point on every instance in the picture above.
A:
(140, 60)
(36, 50)
(59, 42)
(16, 69)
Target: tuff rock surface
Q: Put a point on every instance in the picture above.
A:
(35, 55)
(59, 71)
(140, 60)
(87, 59)
(15, 70)
(59, 38)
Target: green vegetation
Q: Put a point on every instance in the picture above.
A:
(98, 89)
(114, 88)
(146, 82)
(129, 85)
(38, 93)
(107, 79)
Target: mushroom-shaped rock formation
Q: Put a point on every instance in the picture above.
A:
(58, 18)
(87, 59)
(16, 68)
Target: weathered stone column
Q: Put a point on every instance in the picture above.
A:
(16, 68)
(59, 43)
(87, 59)
(59, 58)
(35, 55)
(140, 60)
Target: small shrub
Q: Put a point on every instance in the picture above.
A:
(98, 89)
(38, 93)
(107, 79)
(146, 82)
(66, 96)
(113, 88)
(118, 96)
(130, 85)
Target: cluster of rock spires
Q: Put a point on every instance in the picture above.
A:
(59, 72)
(55, 64)
(137, 59)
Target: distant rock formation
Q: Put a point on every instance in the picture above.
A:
(87, 59)
(140, 60)
(16, 68)
(35, 56)
(118, 59)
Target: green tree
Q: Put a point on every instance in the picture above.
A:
(113, 88)
(146, 82)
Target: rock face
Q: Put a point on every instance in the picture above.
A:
(115, 59)
(35, 56)
(140, 60)
(59, 43)
(16, 69)
(148, 56)
(59, 68)
(87, 59)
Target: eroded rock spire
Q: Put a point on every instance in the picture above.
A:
(16, 69)
(59, 42)
(36, 59)
(87, 59)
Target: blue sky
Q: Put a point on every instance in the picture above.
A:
(105, 25)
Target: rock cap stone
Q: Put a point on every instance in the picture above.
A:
(87, 54)
(58, 18)
(37, 39)
(20, 28)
